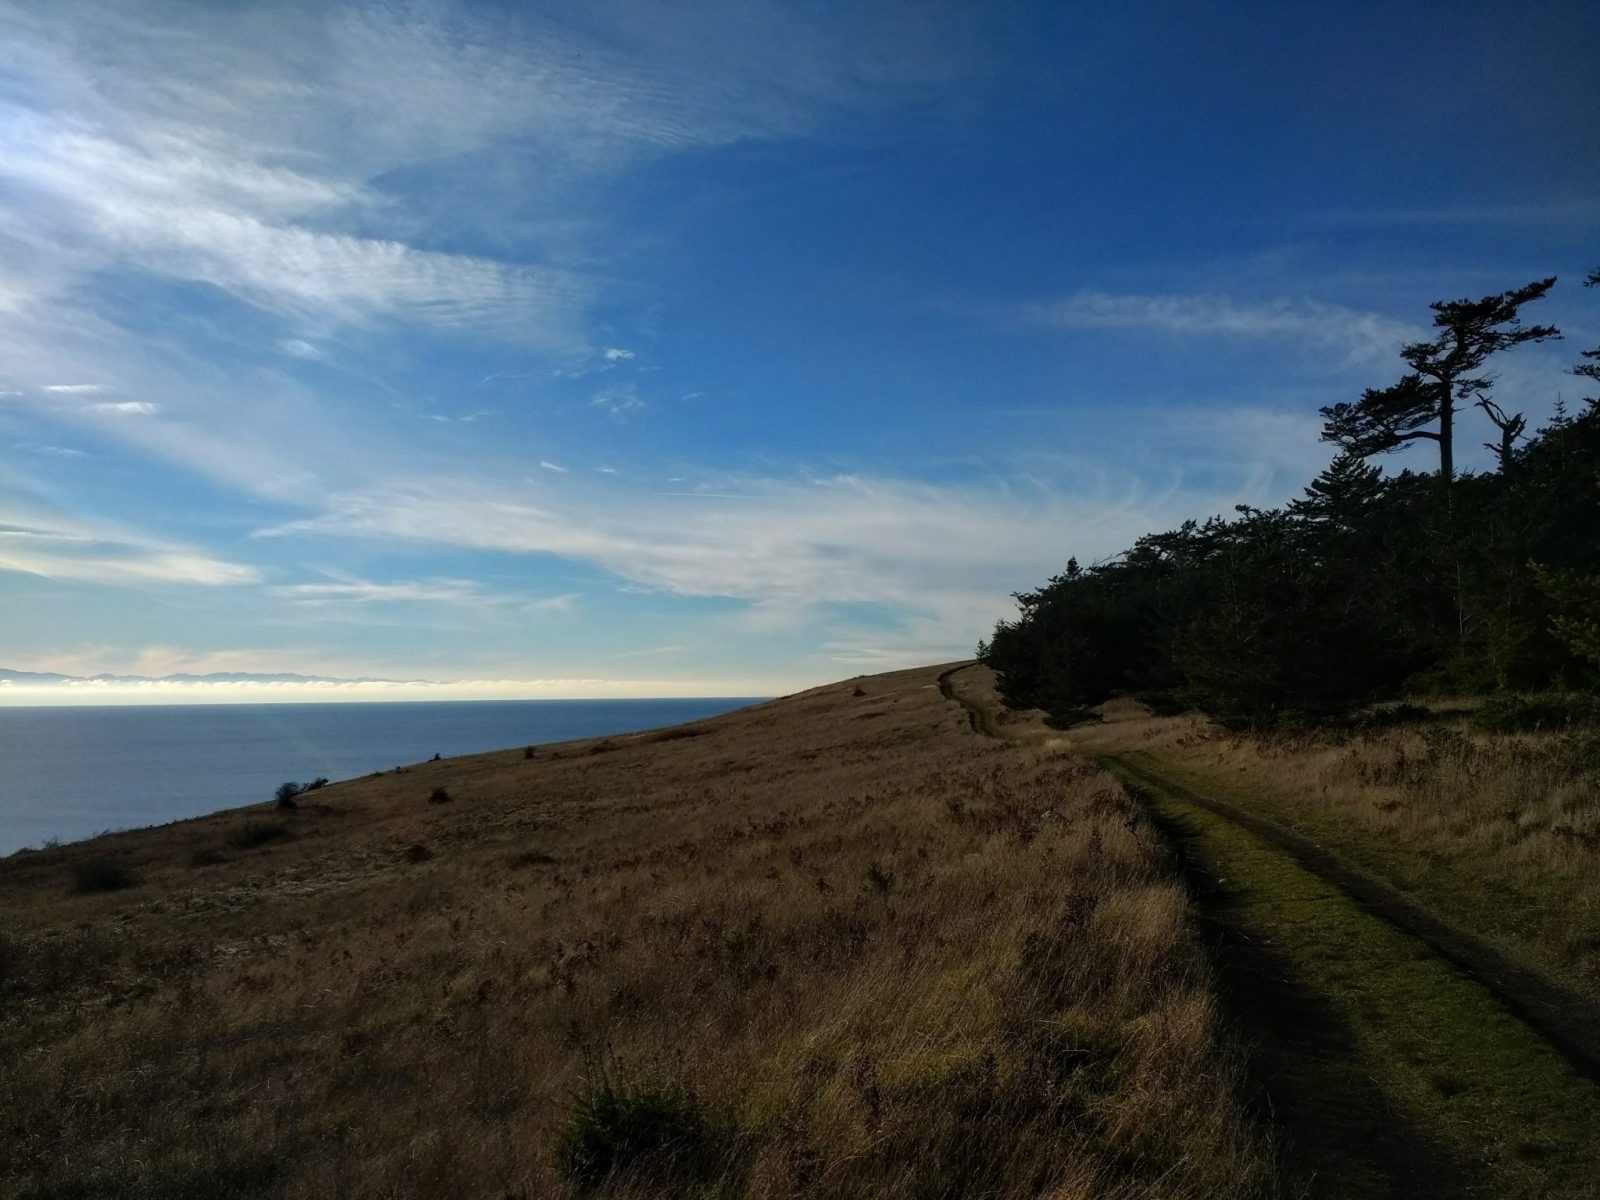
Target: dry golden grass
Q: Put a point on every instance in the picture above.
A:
(838, 945)
(1501, 831)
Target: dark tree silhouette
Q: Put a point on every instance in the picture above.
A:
(1367, 587)
(1422, 405)
(1590, 369)
(1511, 427)
(1342, 494)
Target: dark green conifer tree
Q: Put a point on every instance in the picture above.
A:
(1444, 371)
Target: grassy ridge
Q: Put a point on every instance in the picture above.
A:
(838, 945)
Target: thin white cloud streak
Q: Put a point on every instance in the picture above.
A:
(144, 568)
(432, 591)
(67, 552)
(126, 408)
(74, 389)
(465, 592)
(651, 652)
(1360, 337)
(620, 401)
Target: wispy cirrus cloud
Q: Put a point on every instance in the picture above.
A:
(936, 559)
(194, 146)
(419, 591)
(126, 408)
(619, 401)
(1361, 337)
(82, 555)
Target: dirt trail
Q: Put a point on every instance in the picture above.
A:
(1562, 1017)
(1398, 1054)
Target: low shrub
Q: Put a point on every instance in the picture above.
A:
(880, 880)
(679, 735)
(1066, 718)
(1391, 716)
(286, 793)
(317, 784)
(654, 1130)
(101, 874)
(439, 796)
(417, 852)
(1537, 712)
(258, 833)
(1163, 704)
(529, 858)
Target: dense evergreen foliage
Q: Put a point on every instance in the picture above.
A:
(1369, 585)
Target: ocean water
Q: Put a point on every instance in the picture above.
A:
(70, 773)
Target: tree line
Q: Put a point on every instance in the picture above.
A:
(1368, 586)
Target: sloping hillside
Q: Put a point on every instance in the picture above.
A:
(839, 944)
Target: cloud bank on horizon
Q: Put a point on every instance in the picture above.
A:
(767, 343)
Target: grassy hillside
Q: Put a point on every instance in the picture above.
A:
(840, 944)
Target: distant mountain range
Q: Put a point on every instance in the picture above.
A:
(52, 678)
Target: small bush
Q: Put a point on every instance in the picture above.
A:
(286, 793)
(439, 796)
(258, 833)
(1391, 716)
(1163, 704)
(880, 880)
(529, 858)
(1537, 712)
(527, 752)
(1067, 717)
(417, 852)
(655, 1130)
(317, 784)
(102, 875)
(679, 735)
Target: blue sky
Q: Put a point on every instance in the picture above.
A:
(613, 348)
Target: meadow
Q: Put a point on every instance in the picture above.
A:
(840, 944)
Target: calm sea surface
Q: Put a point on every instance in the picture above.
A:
(72, 772)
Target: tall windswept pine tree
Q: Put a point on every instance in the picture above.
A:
(1444, 372)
